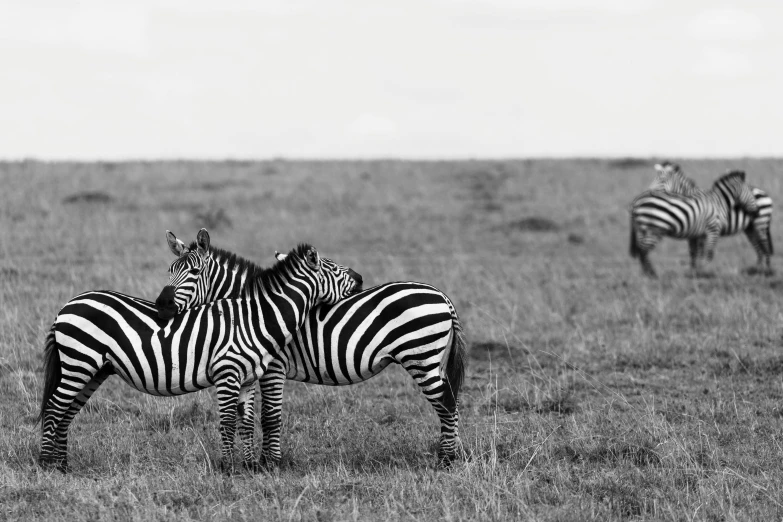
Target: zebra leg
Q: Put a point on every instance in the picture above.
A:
(434, 389)
(61, 433)
(761, 241)
(709, 240)
(646, 241)
(73, 381)
(272, 411)
(693, 250)
(228, 398)
(246, 411)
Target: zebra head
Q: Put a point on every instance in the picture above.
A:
(733, 188)
(188, 277)
(669, 177)
(333, 282)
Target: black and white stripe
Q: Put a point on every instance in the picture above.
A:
(698, 218)
(228, 344)
(408, 323)
(670, 178)
(756, 227)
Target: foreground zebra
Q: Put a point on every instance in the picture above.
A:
(227, 344)
(412, 324)
(698, 218)
(757, 228)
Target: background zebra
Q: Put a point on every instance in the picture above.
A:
(698, 218)
(411, 324)
(227, 344)
(669, 177)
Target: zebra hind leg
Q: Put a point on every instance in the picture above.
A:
(64, 384)
(228, 397)
(272, 384)
(435, 389)
(76, 406)
(247, 417)
(761, 241)
(646, 241)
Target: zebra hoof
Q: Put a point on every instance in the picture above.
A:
(267, 463)
(54, 465)
(253, 466)
(226, 468)
(445, 461)
(702, 274)
(758, 270)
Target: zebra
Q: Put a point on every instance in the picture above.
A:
(670, 178)
(698, 218)
(756, 228)
(408, 323)
(228, 344)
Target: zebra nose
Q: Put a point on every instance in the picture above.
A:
(166, 299)
(356, 277)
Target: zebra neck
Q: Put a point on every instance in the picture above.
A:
(225, 281)
(289, 304)
(721, 201)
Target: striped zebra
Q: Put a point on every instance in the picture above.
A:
(756, 228)
(670, 178)
(411, 324)
(228, 344)
(698, 218)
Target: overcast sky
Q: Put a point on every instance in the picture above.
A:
(402, 78)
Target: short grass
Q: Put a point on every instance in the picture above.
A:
(591, 393)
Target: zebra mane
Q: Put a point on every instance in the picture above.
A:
(730, 176)
(257, 276)
(232, 262)
(262, 277)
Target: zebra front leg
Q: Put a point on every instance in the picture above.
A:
(246, 411)
(710, 240)
(693, 250)
(272, 384)
(228, 397)
(707, 244)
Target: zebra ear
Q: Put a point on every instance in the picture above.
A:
(176, 246)
(312, 259)
(659, 167)
(279, 256)
(202, 242)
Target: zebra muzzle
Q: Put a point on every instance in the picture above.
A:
(165, 304)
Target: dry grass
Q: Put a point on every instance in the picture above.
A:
(591, 394)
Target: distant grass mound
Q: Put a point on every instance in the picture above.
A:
(534, 224)
(89, 197)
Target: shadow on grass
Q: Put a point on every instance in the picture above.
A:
(88, 197)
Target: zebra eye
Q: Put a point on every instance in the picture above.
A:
(195, 271)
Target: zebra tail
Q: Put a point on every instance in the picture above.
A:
(52, 371)
(455, 366)
(634, 244)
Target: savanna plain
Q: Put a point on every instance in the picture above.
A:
(591, 393)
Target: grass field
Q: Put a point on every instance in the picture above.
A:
(591, 393)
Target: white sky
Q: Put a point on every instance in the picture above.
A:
(402, 78)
